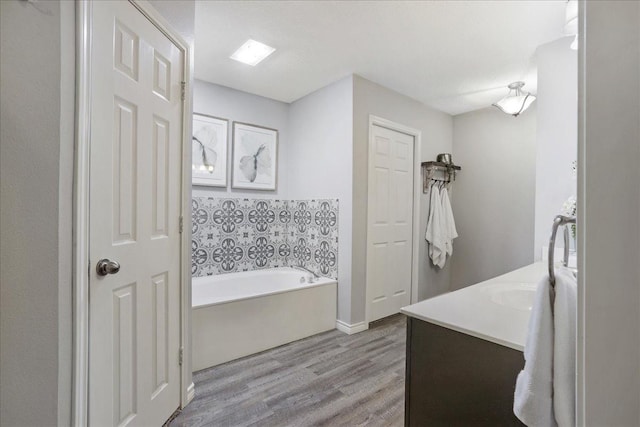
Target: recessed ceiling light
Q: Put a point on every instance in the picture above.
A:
(252, 52)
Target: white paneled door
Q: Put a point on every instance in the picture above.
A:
(135, 190)
(390, 222)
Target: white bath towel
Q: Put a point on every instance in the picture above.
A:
(564, 348)
(449, 221)
(533, 400)
(545, 388)
(435, 233)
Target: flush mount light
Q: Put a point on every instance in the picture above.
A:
(516, 101)
(252, 52)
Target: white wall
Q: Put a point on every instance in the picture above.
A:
(557, 140)
(609, 215)
(180, 14)
(370, 98)
(320, 165)
(493, 196)
(234, 105)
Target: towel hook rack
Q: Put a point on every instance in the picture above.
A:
(558, 221)
(430, 168)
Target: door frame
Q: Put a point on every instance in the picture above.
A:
(417, 191)
(81, 197)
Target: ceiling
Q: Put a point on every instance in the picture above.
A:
(455, 56)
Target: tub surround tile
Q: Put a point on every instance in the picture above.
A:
(231, 235)
(315, 236)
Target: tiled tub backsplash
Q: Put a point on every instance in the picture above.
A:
(232, 235)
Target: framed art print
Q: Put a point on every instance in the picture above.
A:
(209, 148)
(255, 157)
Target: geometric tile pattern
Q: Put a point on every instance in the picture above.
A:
(230, 235)
(313, 236)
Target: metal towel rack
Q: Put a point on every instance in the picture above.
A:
(430, 168)
(557, 222)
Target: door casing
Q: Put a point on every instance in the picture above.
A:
(417, 191)
(81, 262)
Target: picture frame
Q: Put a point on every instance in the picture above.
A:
(255, 157)
(209, 150)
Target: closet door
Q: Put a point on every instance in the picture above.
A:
(390, 222)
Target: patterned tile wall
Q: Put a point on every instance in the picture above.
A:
(313, 236)
(232, 235)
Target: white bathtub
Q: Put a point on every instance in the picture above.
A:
(239, 314)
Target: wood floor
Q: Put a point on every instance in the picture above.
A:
(330, 379)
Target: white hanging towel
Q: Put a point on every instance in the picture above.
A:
(533, 404)
(449, 222)
(564, 348)
(545, 388)
(435, 234)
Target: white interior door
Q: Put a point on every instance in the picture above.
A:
(135, 178)
(390, 222)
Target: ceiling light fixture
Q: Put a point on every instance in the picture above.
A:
(516, 101)
(252, 52)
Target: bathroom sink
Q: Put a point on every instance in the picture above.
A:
(515, 295)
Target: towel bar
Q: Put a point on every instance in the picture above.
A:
(557, 222)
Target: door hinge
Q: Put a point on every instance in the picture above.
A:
(180, 355)
(183, 90)
(181, 224)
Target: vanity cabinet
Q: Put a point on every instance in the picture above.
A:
(455, 379)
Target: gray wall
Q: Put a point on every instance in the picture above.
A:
(370, 98)
(557, 139)
(36, 132)
(609, 215)
(234, 105)
(320, 165)
(493, 196)
(323, 154)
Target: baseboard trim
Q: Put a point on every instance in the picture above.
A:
(351, 329)
(191, 392)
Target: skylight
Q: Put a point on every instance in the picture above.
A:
(252, 52)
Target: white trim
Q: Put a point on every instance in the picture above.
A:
(81, 260)
(351, 329)
(580, 217)
(191, 393)
(417, 191)
(80, 388)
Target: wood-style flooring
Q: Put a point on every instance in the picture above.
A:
(330, 379)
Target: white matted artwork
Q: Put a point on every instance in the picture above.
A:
(209, 146)
(255, 157)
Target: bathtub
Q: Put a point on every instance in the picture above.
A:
(238, 314)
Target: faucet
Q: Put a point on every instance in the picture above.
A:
(313, 277)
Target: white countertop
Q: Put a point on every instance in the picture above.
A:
(495, 310)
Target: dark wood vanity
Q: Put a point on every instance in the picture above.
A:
(465, 350)
(455, 379)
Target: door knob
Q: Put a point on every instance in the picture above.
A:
(106, 266)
